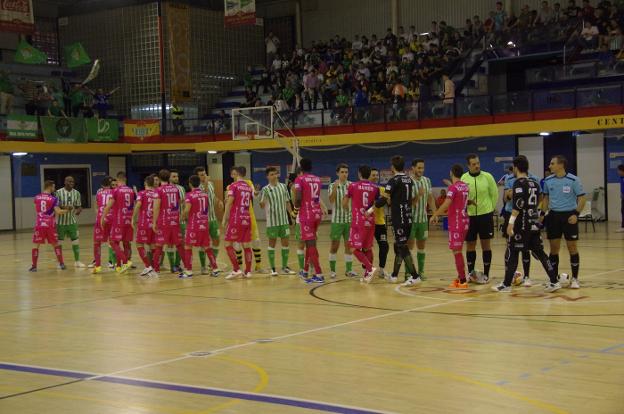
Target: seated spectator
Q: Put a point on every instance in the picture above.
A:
(56, 110)
(589, 36)
(605, 57)
(615, 36)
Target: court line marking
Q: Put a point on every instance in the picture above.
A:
(192, 389)
(435, 372)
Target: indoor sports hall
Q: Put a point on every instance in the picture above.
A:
(181, 109)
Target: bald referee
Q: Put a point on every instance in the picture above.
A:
(564, 199)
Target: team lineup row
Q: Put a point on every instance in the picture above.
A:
(165, 217)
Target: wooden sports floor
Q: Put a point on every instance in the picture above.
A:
(74, 343)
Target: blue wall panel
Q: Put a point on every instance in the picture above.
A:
(438, 156)
(614, 145)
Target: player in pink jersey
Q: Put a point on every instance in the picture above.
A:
(46, 207)
(196, 207)
(455, 203)
(166, 219)
(362, 195)
(307, 189)
(102, 227)
(122, 207)
(142, 216)
(237, 222)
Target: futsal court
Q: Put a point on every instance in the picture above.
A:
(74, 342)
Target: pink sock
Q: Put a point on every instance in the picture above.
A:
(156, 258)
(188, 259)
(121, 257)
(369, 255)
(58, 251)
(211, 258)
(35, 256)
(459, 265)
(143, 256)
(363, 259)
(248, 259)
(127, 250)
(232, 255)
(97, 253)
(314, 260)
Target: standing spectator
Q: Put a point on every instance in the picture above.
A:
(588, 11)
(177, 118)
(56, 110)
(621, 174)
(500, 17)
(357, 43)
(545, 14)
(441, 198)
(77, 99)
(29, 92)
(100, 101)
(311, 86)
(272, 46)
(448, 94)
(6, 93)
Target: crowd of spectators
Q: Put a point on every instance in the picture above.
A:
(404, 68)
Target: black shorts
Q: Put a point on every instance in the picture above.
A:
(482, 226)
(557, 225)
(530, 240)
(381, 233)
(401, 232)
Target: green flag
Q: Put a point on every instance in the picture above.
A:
(76, 55)
(26, 53)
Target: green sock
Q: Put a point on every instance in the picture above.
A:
(348, 263)
(76, 250)
(202, 258)
(420, 258)
(332, 262)
(177, 259)
(300, 259)
(271, 254)
(285, 253)
(111, 255)
(171, 257)
(149, 255)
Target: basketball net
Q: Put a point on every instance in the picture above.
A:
(264, 122)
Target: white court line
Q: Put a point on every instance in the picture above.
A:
(246, 344)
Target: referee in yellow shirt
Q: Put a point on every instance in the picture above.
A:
(381, 231)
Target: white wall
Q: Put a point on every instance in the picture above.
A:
(533, 149)
(590, 161)
(6, 189)
(613, 191)
(116, 164)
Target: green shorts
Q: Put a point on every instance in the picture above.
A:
(64, 230)
(339, 230)
(213, 228)
(278, 232)
(420, 231)
(297, 232)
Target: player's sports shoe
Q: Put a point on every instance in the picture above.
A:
(125, 267)
(186, 274)
(147, 271)
(215, 272)
(91, 265)
(111, 265)
(32, 269)
(316, 279)
(564, 279)
(392, 279)
(351, 274)
(574, 284)
(274, 273)
(61, 266)
(176, 269)
(527, 282)
(332, 275)
(501, 288)
(288, 271)
(133, 266)
(203, 270)
(79, 265)
(303, 274)
(234, 274)
(153, 273)
(456, 284)
(247, 275)
(551, 287)
(96, 270)
(517, 279)
(412, 281)
(382, 273)
(368, 276)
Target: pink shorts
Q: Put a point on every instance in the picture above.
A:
(361, 236)
(121, 233)
(456, 239)
(309, 229)
(238, 233)
(145, 235)
(101, 235)
(168, 236)
(197, 237)
(45, 234)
